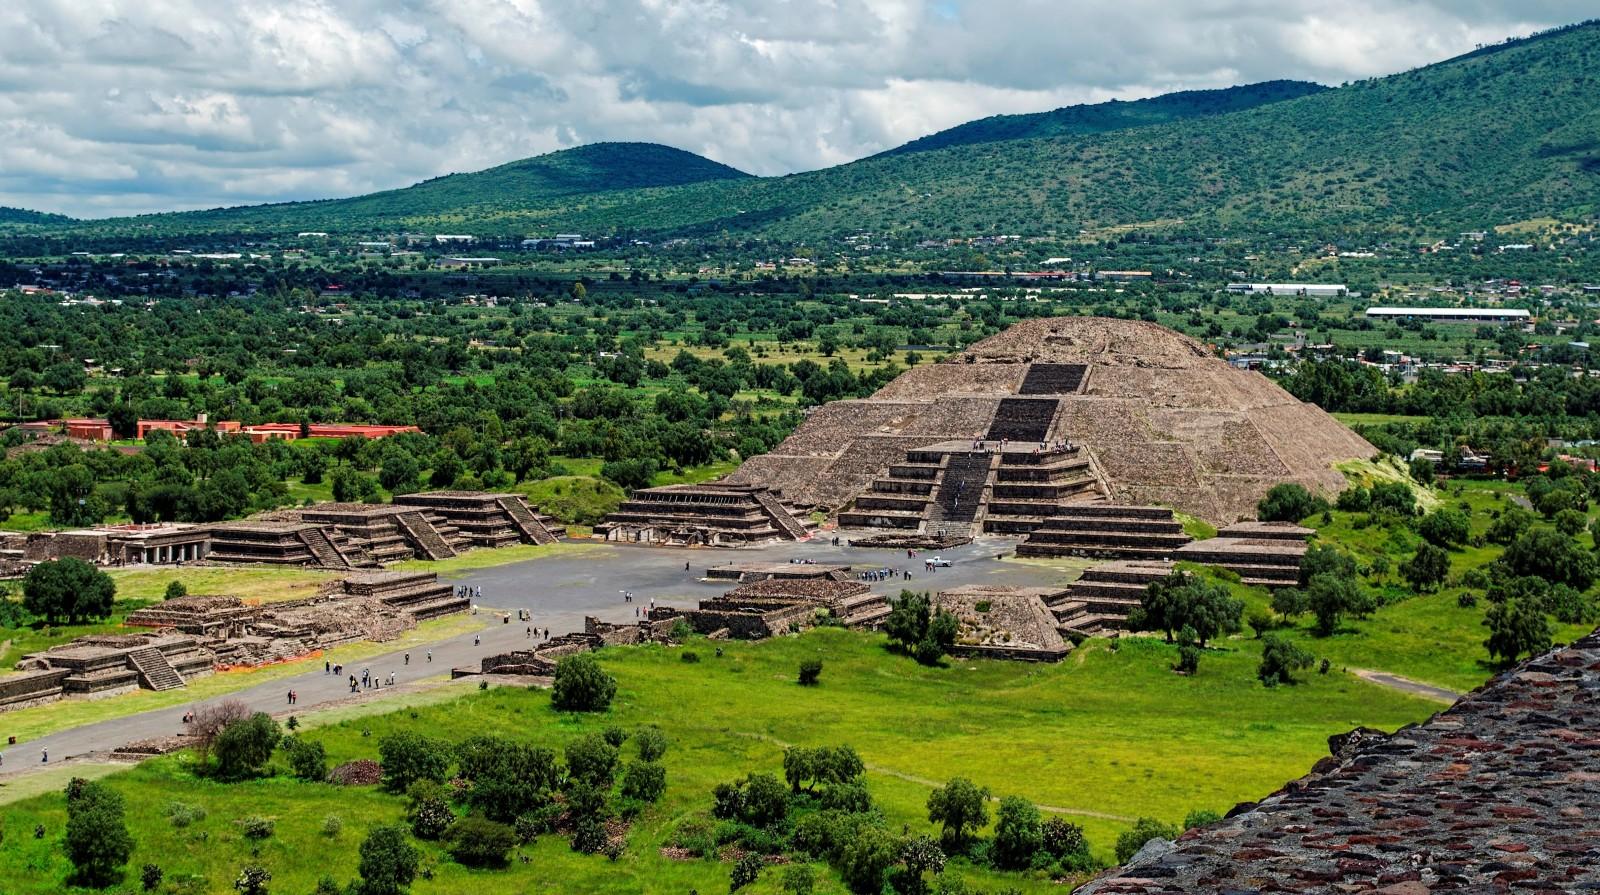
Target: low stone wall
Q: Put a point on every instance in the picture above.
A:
(31, 687)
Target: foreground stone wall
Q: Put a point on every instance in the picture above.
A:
(1499, 793)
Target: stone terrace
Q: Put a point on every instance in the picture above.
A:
(1499, 793)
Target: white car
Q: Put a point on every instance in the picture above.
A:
(939, 562)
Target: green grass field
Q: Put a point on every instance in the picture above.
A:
(1108, 735)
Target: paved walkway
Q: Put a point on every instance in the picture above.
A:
(1406, 685)
(559, 591)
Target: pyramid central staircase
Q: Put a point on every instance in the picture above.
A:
(423, 536)
(525, 521)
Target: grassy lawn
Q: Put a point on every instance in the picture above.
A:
(18, 642)
(30, 723)
(1375, 419)
(263, 585)
(1108, 735)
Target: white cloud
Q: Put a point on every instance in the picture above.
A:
(117, 106)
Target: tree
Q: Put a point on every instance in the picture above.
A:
(1445, 528)
(245, 746)
(960, 807)
(480, 842)
(209, 722)
(1516, 627)
(1427, 569)
(388, 862)
(399, 471)
(1548, 554)
(581, 685)
(175, 589)
(1331, 597)
(1181, 600)
(1512, 522)
(507, 779)
(408, 757)
(810, 670)
(428, 809)
(1144, 830)
(68, 590)
(97, 840)
(1018, 833)
(1279, 659)
(1422, 470)
(1065, 842)
(1288, 502)
(1325, 558)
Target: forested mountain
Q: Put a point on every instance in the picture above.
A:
(1503, 134)
(24, 216)
(1111, 116)
(552, 180)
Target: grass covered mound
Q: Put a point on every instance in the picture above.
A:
(1102, 739)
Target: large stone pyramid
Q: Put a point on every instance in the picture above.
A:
(1162, 419)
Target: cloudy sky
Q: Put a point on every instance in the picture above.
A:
(125, 106)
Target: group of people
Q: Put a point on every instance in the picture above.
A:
(884, 574)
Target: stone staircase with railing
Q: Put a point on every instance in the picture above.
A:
(424, 538)
(525, 521)
(782, 519)
(327, 555)
(155, 672)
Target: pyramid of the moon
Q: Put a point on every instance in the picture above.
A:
(1149, 416)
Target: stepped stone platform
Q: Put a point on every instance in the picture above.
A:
(769, 607)
(911, 541)
(1100, 600)
(712, 514)
(1000, 622)
(760, 571)
(1107, 531)
(1268, 561)
(1160, 417)
(104, 664)
(482, 519)
(1499, 793)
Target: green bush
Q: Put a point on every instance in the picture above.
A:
(644, 781)
(254, 826)
(581, 685)
(244, 747)
(97, 840)
(1144, 830)
(308, 760)
(408, 757)
(810, 670)
(651, 743)
(479, 842)
(428, 809)
(183, 814)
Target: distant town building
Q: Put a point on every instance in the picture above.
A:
(1323, 289)
(1459, 315)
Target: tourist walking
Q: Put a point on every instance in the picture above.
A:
(408, 659)
(430, 655)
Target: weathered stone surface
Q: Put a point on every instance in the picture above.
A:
(1496, 794)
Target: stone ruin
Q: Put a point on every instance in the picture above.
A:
(709, 515)
(1056, 412)
(429, 525)
(1498, 793)
(1002, 622)
(194, 635)
(1264, 554)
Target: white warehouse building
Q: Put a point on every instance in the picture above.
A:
(1332, 290)
(1456, 315)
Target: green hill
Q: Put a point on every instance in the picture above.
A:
(1503, 134)
(1111, 116)
(554, 179)
(24, 216)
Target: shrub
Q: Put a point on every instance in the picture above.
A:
(1466, 599)
(409, 757)
(479, 842)
(581, 685)
(1444, 528)
(745, 871)
(332, 826)
(244, 747)
(865, 860)
(388, 862)
(428, 809)
(798, 880)
(851, 798)
(308, 760)
(149, 877)
(97, 840)
(254, 826)
(1200, 817)
(810, 670)
(1065, 843)
(209, 722)
(175, 589)
(1144, 830)
(694, 835)
(615, 736)
(644, 781)
(651, 743)
(1427, 569)
(592, 761)
(183, 814)
(689, 656)
(252, 881)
